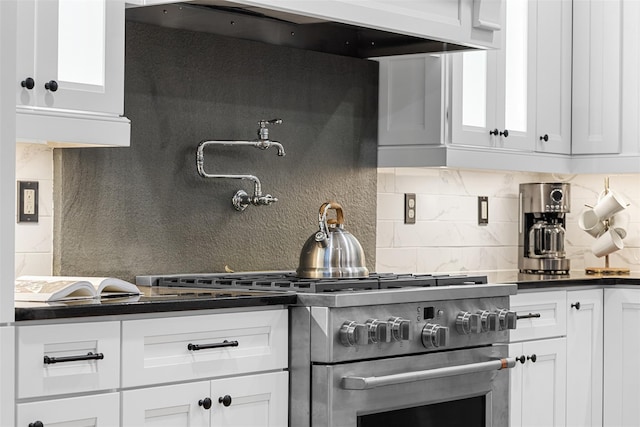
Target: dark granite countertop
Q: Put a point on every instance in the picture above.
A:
(152, 300)
(574, 278)
(160, 300)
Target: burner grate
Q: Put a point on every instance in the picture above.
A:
(288, 281)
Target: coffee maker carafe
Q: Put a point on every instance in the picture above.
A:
(541, 228)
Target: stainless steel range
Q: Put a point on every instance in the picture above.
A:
(403, 350)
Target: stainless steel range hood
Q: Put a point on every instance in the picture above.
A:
(285, 29)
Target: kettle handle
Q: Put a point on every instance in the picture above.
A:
(322, 216)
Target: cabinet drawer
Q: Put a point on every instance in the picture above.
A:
(99, 410)
(36, 377)
(552, 307)
(183, 348)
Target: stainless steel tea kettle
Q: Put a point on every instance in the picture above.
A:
(332, 251)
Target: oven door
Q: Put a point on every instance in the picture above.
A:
(464, 387)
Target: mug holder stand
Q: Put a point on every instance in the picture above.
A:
(607, 269)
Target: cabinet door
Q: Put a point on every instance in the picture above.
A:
(492, 104)
(167, 406)
(621, 349)
(79, 46)
(255, 400)
(87, 411)
(596, 76)
(411, 100)
(552, 27)
(538, 387)
(515, 101)
(544, 383)
(585, 325)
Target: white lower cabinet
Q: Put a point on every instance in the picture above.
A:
(585, 322)
(621, 349)
(538, 386)
(559, 344)
(85, 411)
(224, 369)
(248, 401)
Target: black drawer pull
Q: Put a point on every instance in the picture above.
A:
(36, 424)
(89, 356)
(225, 343)
(529, 316)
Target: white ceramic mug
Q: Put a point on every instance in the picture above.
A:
(590, 222)
(608, 205)
(607, 243)
(619, 223)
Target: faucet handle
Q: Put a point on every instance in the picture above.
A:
(267, 199)
(263, 131)
(264, 123)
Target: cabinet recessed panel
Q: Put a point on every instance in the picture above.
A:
(81, 42)
(474, 89)
(516, 66)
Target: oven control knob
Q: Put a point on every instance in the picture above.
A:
(379, 331)
(434, 335)
(400, 329)
(353, 333)
(507, 319)
(468, 323)
(489, 321)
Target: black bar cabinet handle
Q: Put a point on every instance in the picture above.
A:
(48, 360)
(225, 343)
(528, 316)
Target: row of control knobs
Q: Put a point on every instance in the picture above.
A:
(433, 335)
(485, 321)
(375, 331)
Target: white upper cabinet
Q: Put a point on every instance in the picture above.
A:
(467, 22)
(70, 68)
(552, 73)
(606, 95)
(597, 32)
(519, 97)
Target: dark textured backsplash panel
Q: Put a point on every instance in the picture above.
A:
(144, 209)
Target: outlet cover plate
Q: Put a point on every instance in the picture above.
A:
(28, 201)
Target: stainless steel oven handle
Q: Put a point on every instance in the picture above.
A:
(366, 383)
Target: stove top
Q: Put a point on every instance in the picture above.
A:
(377, 289)
(288, 281)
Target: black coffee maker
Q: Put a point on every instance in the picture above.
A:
(541, 228)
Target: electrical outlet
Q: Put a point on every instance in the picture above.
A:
(28, 201)
(483, 210)
(409, 208)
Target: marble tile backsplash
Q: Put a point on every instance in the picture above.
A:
(447, 238)
(34, 242)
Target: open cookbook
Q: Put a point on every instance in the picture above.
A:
(59, 288)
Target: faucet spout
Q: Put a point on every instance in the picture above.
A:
(263, 144)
